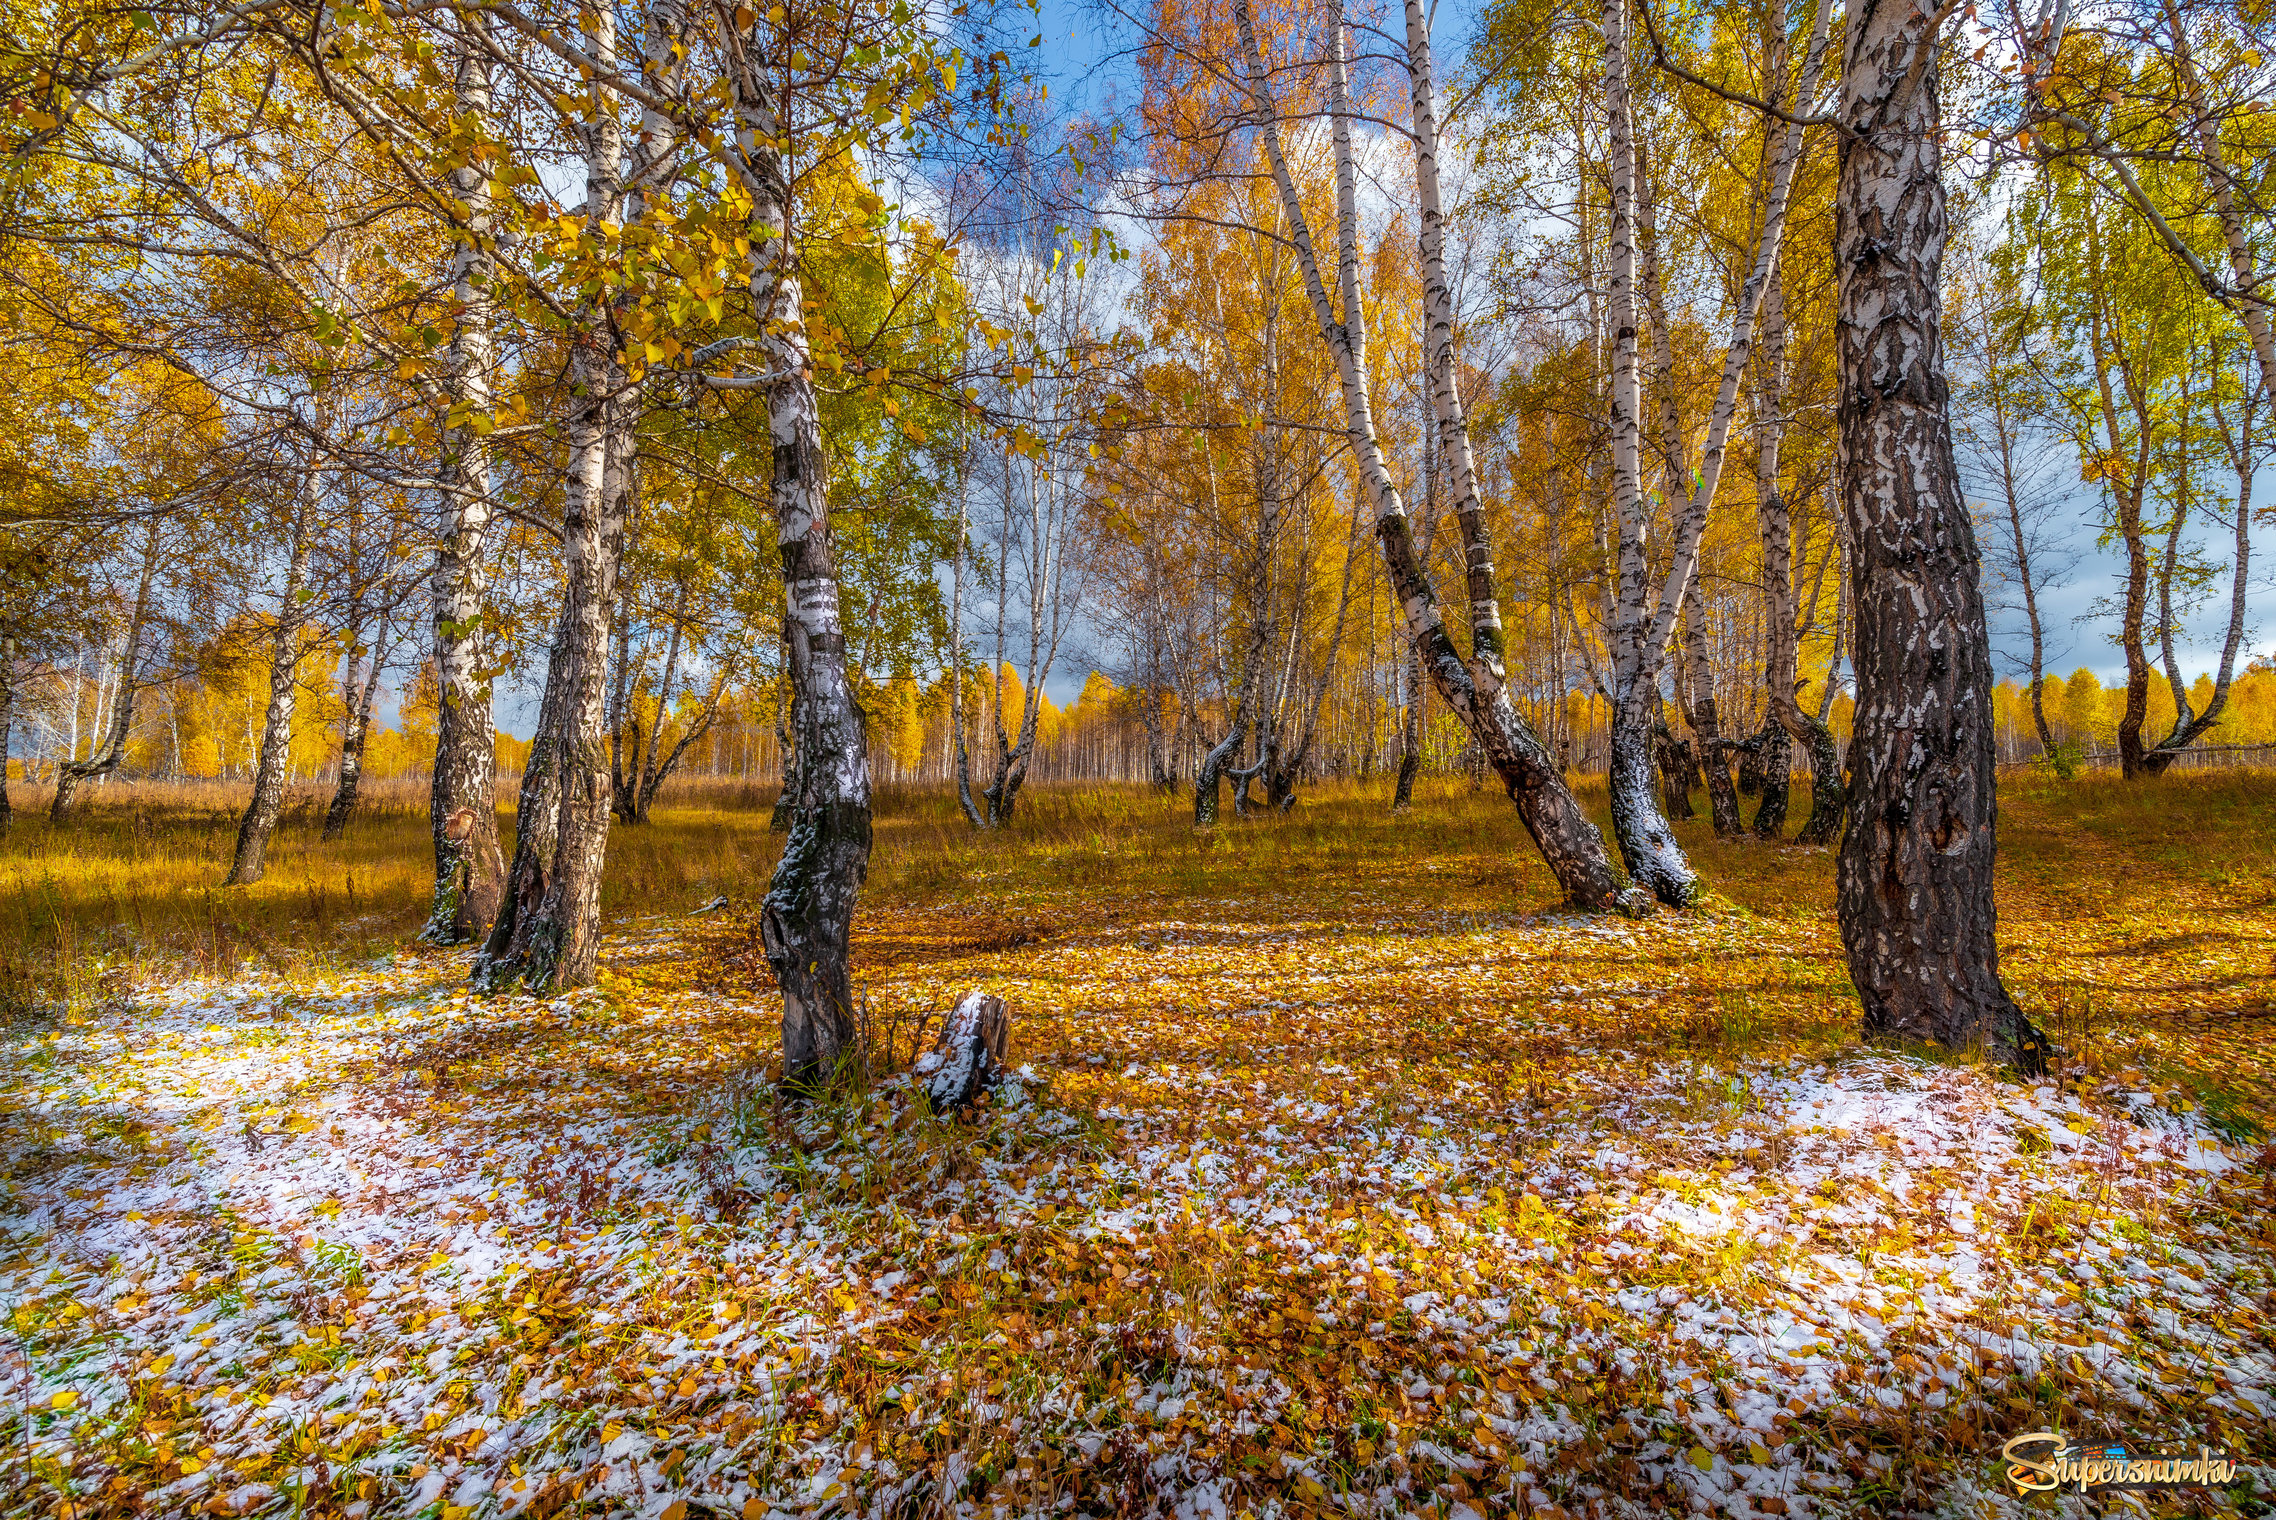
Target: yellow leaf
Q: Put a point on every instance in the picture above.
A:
(611, 1431)
(1701, 1458)
(65, 1398)
(676, 1510)
(1760, 1453)
(191, 1466)
(754, 1509)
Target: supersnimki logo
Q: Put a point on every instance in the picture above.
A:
(2042, 1461)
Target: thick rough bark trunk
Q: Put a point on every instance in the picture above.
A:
(267, 805)
(557, 944)
(537, 816)
(1914, 876)
(462, 811)
(1679, 771)
(806, 923)
(1777, 781)
(1568, 841)
(110, 748)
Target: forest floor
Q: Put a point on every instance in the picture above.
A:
(1344, 1175)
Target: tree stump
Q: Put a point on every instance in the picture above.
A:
(968, 1058)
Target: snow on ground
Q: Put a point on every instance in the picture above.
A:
(367, 1245)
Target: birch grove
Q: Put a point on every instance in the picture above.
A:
(564, 405)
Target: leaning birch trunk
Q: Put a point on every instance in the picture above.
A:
(1451, 424)
(1914, 880)
(267, 804)
(469, 865)
(806, 922)
(1567, 840)
(110, 748)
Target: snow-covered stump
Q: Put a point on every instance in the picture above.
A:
(968, 1058)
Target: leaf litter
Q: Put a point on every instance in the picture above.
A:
(1356, 1212)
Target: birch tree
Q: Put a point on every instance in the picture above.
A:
(1914, 883)
(298, 524)
(1643, 616)
(1567, 840)
(462, 805)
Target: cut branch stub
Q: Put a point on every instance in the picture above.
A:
(968, 1058)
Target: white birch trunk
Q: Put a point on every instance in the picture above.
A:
(1567, 840)
(469, 865)
(807, 921)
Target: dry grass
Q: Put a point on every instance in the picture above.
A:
(2122, 906)
(1351, 1176)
